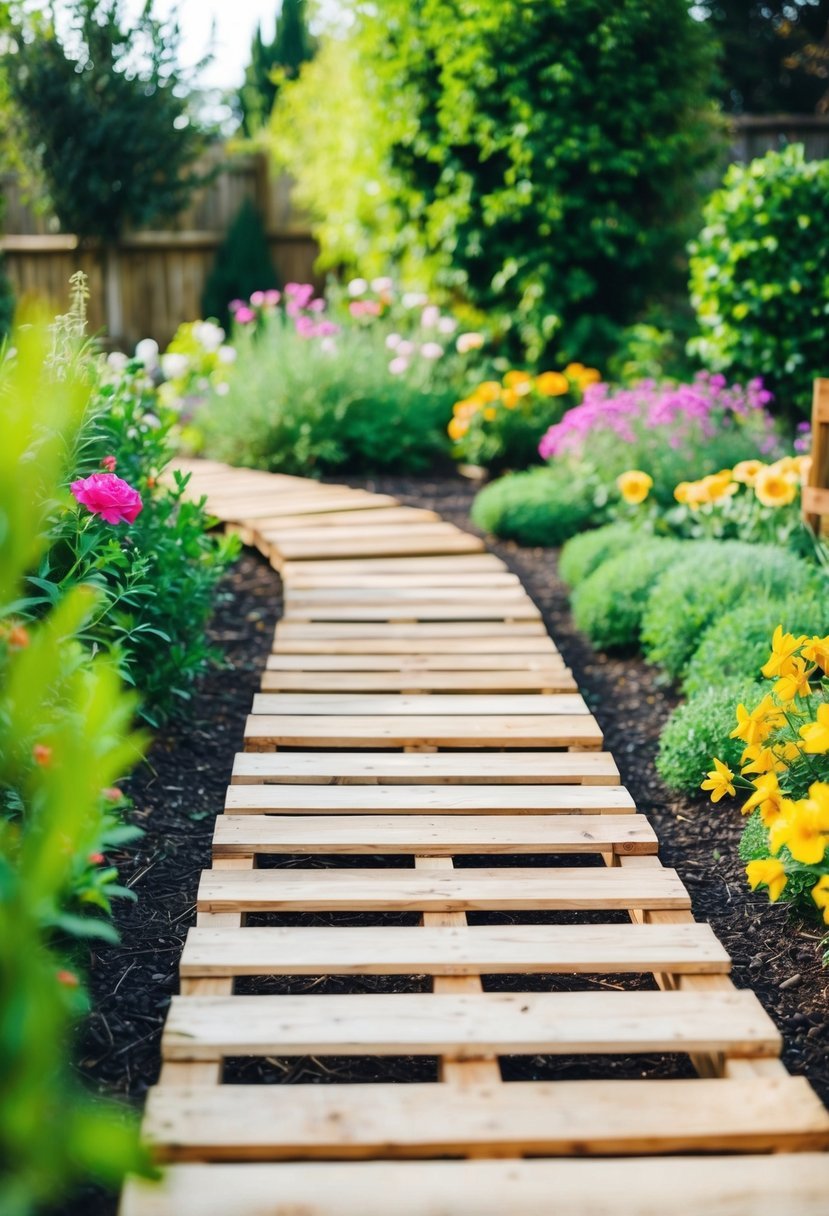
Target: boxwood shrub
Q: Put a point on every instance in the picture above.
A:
(539, 507)
(700, 729)
(608, 605)
(585, 553)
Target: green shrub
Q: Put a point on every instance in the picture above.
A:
(698, 730)
(242, 265)
(608, 605)
(738, 644)
(585, 553)
(311, 405)
(716, 577)
(758, 275)
(539, 507)
(490, 132)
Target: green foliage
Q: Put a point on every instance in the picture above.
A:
(715, 577)
(538, 507)
(698, 730)
(586, 551)
(759, 279)
(103, 108)
(608, 605)
(738, 643)
(65, 736)
(774, 54)
(302, 405)
(243, 265)
(6, 301)
(488, 132)
(273, 62)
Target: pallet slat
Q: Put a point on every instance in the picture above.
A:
(441, 799)
(512, 706)
(378, 730)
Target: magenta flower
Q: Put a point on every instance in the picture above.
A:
(109, 496)
(109, 463)
(245, 315)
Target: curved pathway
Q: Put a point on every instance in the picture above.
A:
(414, 710)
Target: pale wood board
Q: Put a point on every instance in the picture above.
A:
(438, 799)
(433, 835)
(561, 1023)
(399, 890)
(466, 636)
(397, 704)
(474, 664)
(332, 517)
(419, 681)
(398, 768)
(469, 563)
(423, 541)
(458, 950)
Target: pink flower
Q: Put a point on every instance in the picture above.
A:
(398, 366)
(431, 350)
(245, 315)
(109, 496)
(109, 463)
(272, 297)
(257, 299)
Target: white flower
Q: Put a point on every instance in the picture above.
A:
(174, 366)
(151, 421)
(227, 354)
(357, 287)
(147, 352)
(430, 316)
(382, 285)
(447, 325)
(414, 299)
(398, 366)
(393, 341)
(208, 334)
(405, 348)
(117, 360)
(468, 342)
(328, 345)
(431, 350)
(221, 390)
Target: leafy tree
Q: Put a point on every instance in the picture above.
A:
(104, 109)
(270, 62)
(537, 158)
(775, 56)
(243, 265)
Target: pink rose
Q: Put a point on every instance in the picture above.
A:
(109, 463)
(109, 496)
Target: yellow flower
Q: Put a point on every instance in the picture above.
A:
(795, 683)
(820, 894)
(759, 760)
(490, 413)
(783, 648)
(803, 826)
(457, 429)
(767, 797)
(520, 382)
(510, 398)
(816, 650)
(768, 872)
(489, 390)
(815, 735)
(465, 409)
(718, 486)
(634, 485)
(788, 466)
(774, 489)
(745, 471)
(552, 384)
(582, 375)
(681, 491)
(756, 726)
(720, 781)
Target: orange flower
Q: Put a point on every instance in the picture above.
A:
(552, 384)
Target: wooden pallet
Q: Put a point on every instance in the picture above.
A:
(420, 750)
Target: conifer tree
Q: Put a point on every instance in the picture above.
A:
(292, 45)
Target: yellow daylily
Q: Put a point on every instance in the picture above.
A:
(720, 781)
(766, 796)
(759, 760)
(815, 735)
(803, 828)
(816, 650)
(767, 872)
(820, 894)
(795, 683)
(634, 486)
(783, 648)
(755, 726)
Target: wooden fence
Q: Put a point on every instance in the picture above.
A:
(755, 134)
(155, 279)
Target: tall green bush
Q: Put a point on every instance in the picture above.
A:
(759, 277)
(510, 166)
(242, 265)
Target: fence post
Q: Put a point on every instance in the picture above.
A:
(816, 490)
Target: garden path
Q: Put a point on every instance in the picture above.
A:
(415, 717)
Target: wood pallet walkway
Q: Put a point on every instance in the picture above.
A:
(416, 729)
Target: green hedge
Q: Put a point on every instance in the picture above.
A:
(539, 507)
(585, 552)
(697, 731)
(608, 605)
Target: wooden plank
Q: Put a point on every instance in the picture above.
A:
(419, 681)
(424, 590)
(432, 835)
(392, 664)
(258, 511)
(378, 730)
(397, 704)
(414, 541)
(516, 889)
(478, 563)
(486, 609)
(465, 636)
(565, 1118)
(390, 768)
(332, 517)
(469, 950)
(295, 639)
(527, 1023)
(459, 580)
(640, 1186)
(439, 799)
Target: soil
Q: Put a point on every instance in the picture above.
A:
(181, 788)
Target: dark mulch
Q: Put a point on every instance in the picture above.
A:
(181, 789)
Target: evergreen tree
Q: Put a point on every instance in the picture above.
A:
(292, 45)
(243, 265)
